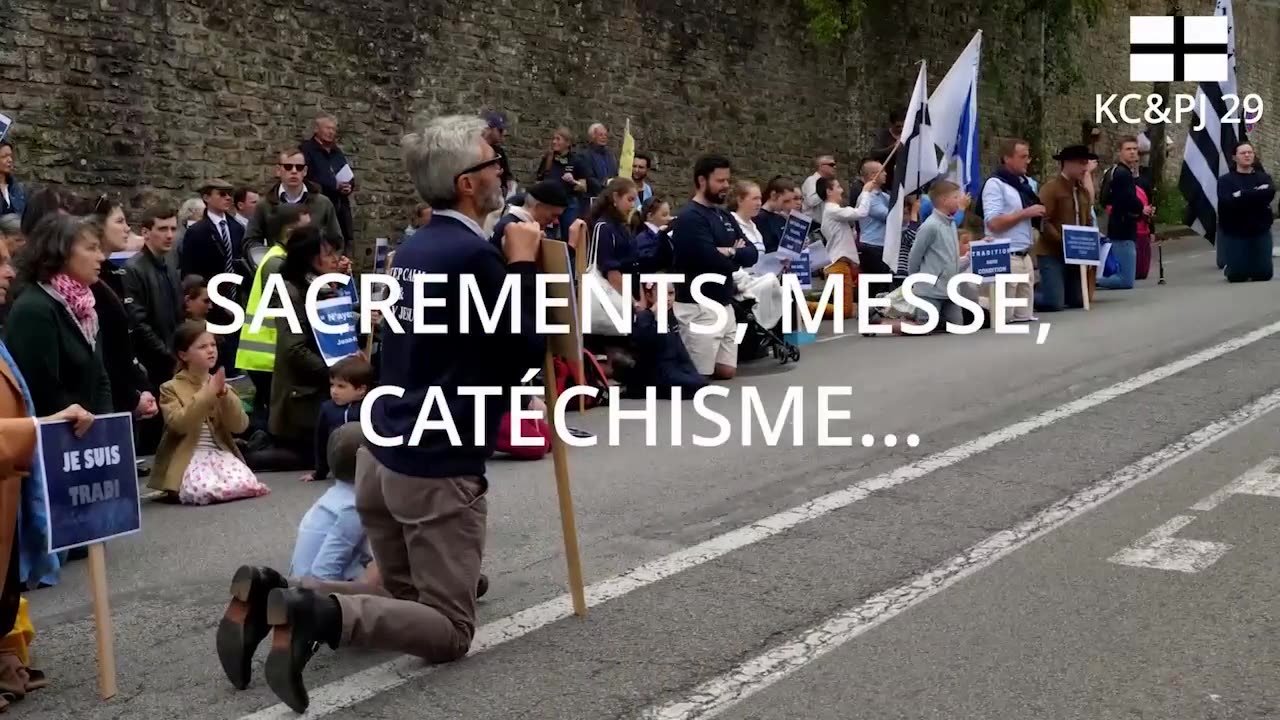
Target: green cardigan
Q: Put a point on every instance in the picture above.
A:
(53, 355)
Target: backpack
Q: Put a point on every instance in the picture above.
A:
(529, 427)
(593, 375)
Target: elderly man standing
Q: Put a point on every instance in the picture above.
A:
(423, 503)
(327, 167)
(1067, 200)
(1013, 211)
(602, 166)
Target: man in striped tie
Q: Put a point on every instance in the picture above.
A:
(212, 247)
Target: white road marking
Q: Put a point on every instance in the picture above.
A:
(1160, 550)
(719, 694)
(340, 694)
(1262, 480)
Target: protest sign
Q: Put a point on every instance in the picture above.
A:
(553, 258)
(800, 267)
(5, 123)
(988, 259)
(91, 496)
(1082, 245)
(336, 345)
(794, 235)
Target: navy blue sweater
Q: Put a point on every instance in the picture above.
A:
(1250, 214)
(696, 235)
(332, 417)
(452, 360)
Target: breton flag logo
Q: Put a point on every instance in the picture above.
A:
(1177, 49)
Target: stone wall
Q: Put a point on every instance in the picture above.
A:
(126, 93)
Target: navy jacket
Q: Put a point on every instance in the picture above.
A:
(696, 235)
(616, 248)
(662, 361)
(1250, 214)
(1126, 209)
(771, 226)
(332, 417)
(417, 362)
(601, 165)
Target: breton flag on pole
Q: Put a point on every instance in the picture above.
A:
(1208, 153)
(915, 164)
(953, 108)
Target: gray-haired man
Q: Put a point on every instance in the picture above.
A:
(422, 503)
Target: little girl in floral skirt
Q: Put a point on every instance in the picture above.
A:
(198, 462)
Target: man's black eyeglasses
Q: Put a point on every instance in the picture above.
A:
(478, 167)
(299, 167)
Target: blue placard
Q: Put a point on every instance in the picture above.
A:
(335, 346)
(91, 483)
(800, 267)
(794, 235)
(989, 259)
(1081, 245)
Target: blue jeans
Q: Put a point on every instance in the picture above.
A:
(1059, 285)
(1126, 252)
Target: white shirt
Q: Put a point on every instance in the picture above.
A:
(217, 220)
(838, 228)
(810, 202)
(653, 228)
(998, 198)
(244, 221)
(284, 195)
(472, 224)
(753, 236)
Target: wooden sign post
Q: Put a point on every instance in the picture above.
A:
(105, 631)
(554, 259)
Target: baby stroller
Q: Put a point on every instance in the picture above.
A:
(760, 341)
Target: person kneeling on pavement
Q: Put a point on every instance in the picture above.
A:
(1245, 218)
(423, 504)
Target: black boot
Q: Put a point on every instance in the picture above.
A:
(482, 587)
(301, 620)
(244, 625)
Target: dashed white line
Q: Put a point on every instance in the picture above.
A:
(721, 693)
(340, 694)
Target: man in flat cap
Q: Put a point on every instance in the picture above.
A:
(212, 246)
(1067, 200)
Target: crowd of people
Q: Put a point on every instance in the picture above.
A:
(97, 319)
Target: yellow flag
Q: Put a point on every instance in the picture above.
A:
(628, 155)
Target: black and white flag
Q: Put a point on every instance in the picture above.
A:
(915, 165)
(1177, 49)
(1208, 153)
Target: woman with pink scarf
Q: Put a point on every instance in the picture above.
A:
(52, 330)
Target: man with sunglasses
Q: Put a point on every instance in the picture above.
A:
(811, 203)
(293, 189)
(423, 503)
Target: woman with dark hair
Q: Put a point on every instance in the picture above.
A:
(53, 328)
(612, 244)
(45, 201)
(131, 391)
(300, 382)
(13, 200)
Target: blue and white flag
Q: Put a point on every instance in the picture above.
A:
(953, 107)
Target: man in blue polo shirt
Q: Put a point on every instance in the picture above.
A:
(422, 502)
(1012, 211)
(707, 239)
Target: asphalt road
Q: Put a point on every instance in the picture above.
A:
(736, 565)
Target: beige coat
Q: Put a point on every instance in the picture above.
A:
(17, 445)
(186, 402)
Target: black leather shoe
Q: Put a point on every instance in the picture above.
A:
(300, 621)
(482, 587)
(244, 624)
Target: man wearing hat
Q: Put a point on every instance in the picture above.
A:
(212, 246)
(495, 135)
(1067, 201)
(544, 203)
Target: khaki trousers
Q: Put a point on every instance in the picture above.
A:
(1020, 265)
(427, 536)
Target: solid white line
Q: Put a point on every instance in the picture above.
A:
(363, 685)
(1262, 479)
(715, 696)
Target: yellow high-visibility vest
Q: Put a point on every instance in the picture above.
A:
(257, 350)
